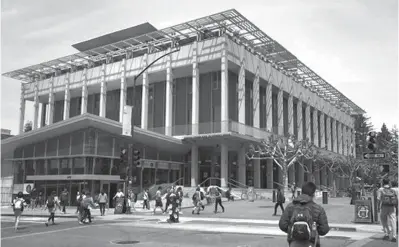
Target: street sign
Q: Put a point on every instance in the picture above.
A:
(368, 156)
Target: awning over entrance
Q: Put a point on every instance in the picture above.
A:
(152, 139)
(73, 177)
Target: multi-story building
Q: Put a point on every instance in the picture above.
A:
(196, 110)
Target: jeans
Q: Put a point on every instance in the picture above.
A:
(146, 204)
(388, 220)
(102, 207)
(276, 206)
(218, 201)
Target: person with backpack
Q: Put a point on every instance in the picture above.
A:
(387, 201)
(197, 201)
(280, 201)
(64, 199)
(51, 205)
(86, 203)
(218, 200)
(304, 220)
(18, 205)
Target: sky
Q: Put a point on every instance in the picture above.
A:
(352, 44)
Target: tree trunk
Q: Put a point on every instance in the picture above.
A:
(285, 188)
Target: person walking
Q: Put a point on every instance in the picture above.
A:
(395, 188)
(81, 212)
(64, 199)
(51, 205)
(18, 205)
(293, 189)
(218, 200)
(158, 200)
(87, 203)
(303, 220)
(146, 200)
(280, 201)
(102, 201)
(387, 202)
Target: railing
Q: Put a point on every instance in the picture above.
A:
(153, 189)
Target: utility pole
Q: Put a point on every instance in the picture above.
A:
(134, 155)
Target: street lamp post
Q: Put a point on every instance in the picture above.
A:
(131, 146)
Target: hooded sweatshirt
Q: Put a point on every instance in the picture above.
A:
(318, 214)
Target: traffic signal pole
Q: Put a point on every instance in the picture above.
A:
(132, 168)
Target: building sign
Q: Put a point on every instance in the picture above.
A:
(363, 211)
(127, 120)
(163, 165)
(175, 166)
(24, 188)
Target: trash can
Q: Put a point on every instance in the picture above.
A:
(274, 196)
(325, 197)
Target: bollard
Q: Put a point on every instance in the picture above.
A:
(274, 196)
(325, 197)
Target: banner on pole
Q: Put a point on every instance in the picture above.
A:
(127, 120)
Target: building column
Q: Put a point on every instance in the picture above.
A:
(241, 90)
(257, 173)
(269, 173)
(353, 143)
(269, 111)
(224, 166)
(324, 176)
(22, 109)
(194, 165)
(224, 91)
(307, 122)
(290, 114)
(299, 121)
(67, 97)
(330, 178)
(43, 115)
(315, 127)
(169, 97)
(328, 137)
(322, 131)
(103, 93)
(334, 135)
(256, 102)
(50, 113)
(144, 99)
(242, 166)
(339, 138)
(280, 112)
(347, 141)
(316, 173)
(85, 93)
(123, 92)
(195, 92)
(36, 106)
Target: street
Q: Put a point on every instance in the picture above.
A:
(149, 231)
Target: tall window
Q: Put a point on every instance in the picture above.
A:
(65, 166)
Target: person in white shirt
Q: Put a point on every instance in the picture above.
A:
(102, 201)
(18, 205)
(119, 194)
(51, 205)
(146, 203)
(158, 200)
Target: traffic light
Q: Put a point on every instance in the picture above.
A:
(371, 141)
(124, 156)
(136, 158)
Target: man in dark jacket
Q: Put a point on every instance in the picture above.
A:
(280, 201)
(317, 213)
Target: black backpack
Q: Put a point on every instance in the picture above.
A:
(50, 202)
(388, 197)
(301, 223)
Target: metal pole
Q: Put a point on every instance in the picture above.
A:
(131, 145)
(375, 195)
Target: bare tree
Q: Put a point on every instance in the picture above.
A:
(284, 151)
(348, 166)
(331, 162)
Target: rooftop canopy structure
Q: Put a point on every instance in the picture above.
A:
(229, 22)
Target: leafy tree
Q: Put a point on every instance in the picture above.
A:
(331, 162)
(284, 151)
(384, 138)
(348, 166)
(28, 126)
(362, 127)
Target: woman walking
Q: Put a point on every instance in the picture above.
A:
(102, 201)
(52, 204)
(18, 207)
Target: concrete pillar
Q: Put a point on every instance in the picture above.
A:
(241, 90)
(269, 173)
(280, 112)
(85, 94)
(67, 97)
(36, 106)
(257, 173)
(307, 122)
(324, 176)
(299, 122)
(224, 90)
(224, 166)
(169, 97)
(269, 111)
(328, 137)
(339, 138)
(290, 115)
(43, 115)
(103, 93)
(334, 135)
(242, 166)
(144, 99)
(322, 131)
(195, 93)
(22, 110)
(316, 173)
(123, 92)
(50, 113)
(315, 127)
(353, 143)
(194, 165)
(256, 102)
